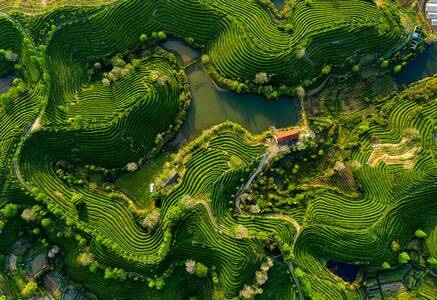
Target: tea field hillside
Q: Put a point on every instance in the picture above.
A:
(101, 198)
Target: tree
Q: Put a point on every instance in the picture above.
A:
(326, 70)
(106, 82)
(29, 215)
(432, 261)
(298, 272)
(93, 266)
(261, 78)
(159, 283)
(404, 258)
(30, 288)
(2, 225)
(300, 53)
(143, 38)
(10, 210)
(420, 234)
(384, 64)
(200, 270)
(115, 273)
(152, 219)
(86, 258)
(190, 265)
(386, 265)
(395, 246)
(205, 59)
(46, 222)
(300, 91)
(261, 277)
(356, 68)
(241, 231)
(109, 274)
(397, 68)
(162, 35)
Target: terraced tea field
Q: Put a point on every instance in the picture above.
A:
(92, 100)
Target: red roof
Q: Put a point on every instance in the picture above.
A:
(289, 135)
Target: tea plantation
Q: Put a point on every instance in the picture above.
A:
(89, 93)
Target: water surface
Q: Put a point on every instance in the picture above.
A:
(184, 53)
(279, 3)
(212, 105)
(424, 65)
(347, 272)
(5, 83)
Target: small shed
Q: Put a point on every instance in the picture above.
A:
(286, 137)
(53, 282)
(171, 178)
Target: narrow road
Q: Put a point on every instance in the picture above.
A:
(296, 280)
(27, 132)
(272, 151)
(251, 179)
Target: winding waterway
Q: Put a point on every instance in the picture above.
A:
(212, 105)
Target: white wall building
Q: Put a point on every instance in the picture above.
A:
(431, 13)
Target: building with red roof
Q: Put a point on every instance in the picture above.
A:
(286, 137)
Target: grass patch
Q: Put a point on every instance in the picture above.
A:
(136, 184)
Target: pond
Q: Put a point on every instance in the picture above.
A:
(279, 3)
(5, 83)
(212, 105)
(348, 272)
(424, 65)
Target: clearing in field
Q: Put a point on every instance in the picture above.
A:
(395, 154)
